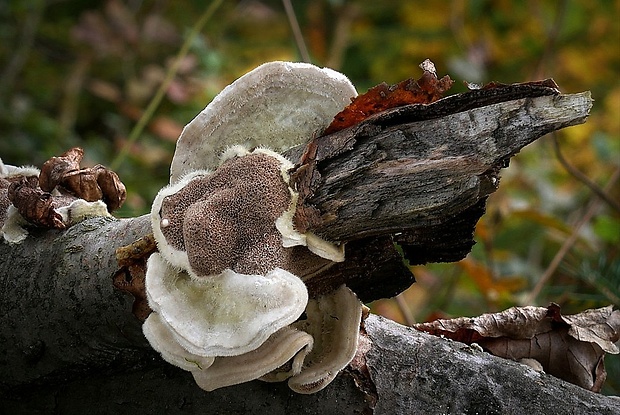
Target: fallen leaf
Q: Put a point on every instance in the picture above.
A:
(568, 347)
(34, 204)
(131, 279)
(379, 98)
(96, 183)
(83, 184)
(41, 199)
(114, 192)
(54, 169)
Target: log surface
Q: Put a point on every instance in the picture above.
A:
(70, 343)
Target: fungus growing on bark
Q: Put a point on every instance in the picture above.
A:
(285, 345)
(11, 222)
(278, 105)
(226, 287)
(231, 217)
(162, 339)
(333, 320)
(227, 315)
(229, 329)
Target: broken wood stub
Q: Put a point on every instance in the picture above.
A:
(421, 174)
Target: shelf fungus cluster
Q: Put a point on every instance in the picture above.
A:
(227, 286)
(57, 196)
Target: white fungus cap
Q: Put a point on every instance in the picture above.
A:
(278, 104)
(227, 315)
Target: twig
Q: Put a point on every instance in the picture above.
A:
(582, 177)
(552, 38)
(150, 110)
(404, 309)
(559, 256)
(346, 15)
(299, 39)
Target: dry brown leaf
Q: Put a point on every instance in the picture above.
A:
(379, 98)
(131, 275)
(114, 192)
(568, 347)
(83, 184)
(131, 279)
(54, 169)
(90, 184)
(35, 205)
(39, 199)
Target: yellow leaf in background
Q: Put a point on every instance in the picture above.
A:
(543, 219)
(492, 287)
(610, 120)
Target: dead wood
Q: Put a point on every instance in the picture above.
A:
(414, 175)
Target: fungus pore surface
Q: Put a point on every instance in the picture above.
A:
(226, 219)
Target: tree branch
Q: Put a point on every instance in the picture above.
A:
(70, 343)
(412, 167)
(419, 175)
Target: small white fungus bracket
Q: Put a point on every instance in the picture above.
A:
(226, 287)
(13, 229)
(287, 344)
(228, 315)
(333, 321)
(161, 339)
(80, 210)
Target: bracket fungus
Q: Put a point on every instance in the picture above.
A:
(227, 286)
(278, 105)
(333, 320)
(255, 307)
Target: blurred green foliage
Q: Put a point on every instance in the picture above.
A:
(80, 73)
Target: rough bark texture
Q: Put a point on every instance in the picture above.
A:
(59, 312)
(401, 170)
(70, 344)
(420, 175)
(437, 376)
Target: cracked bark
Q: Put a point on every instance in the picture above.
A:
(70, 343)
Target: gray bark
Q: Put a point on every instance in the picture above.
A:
(400, 170)
(70, 344)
